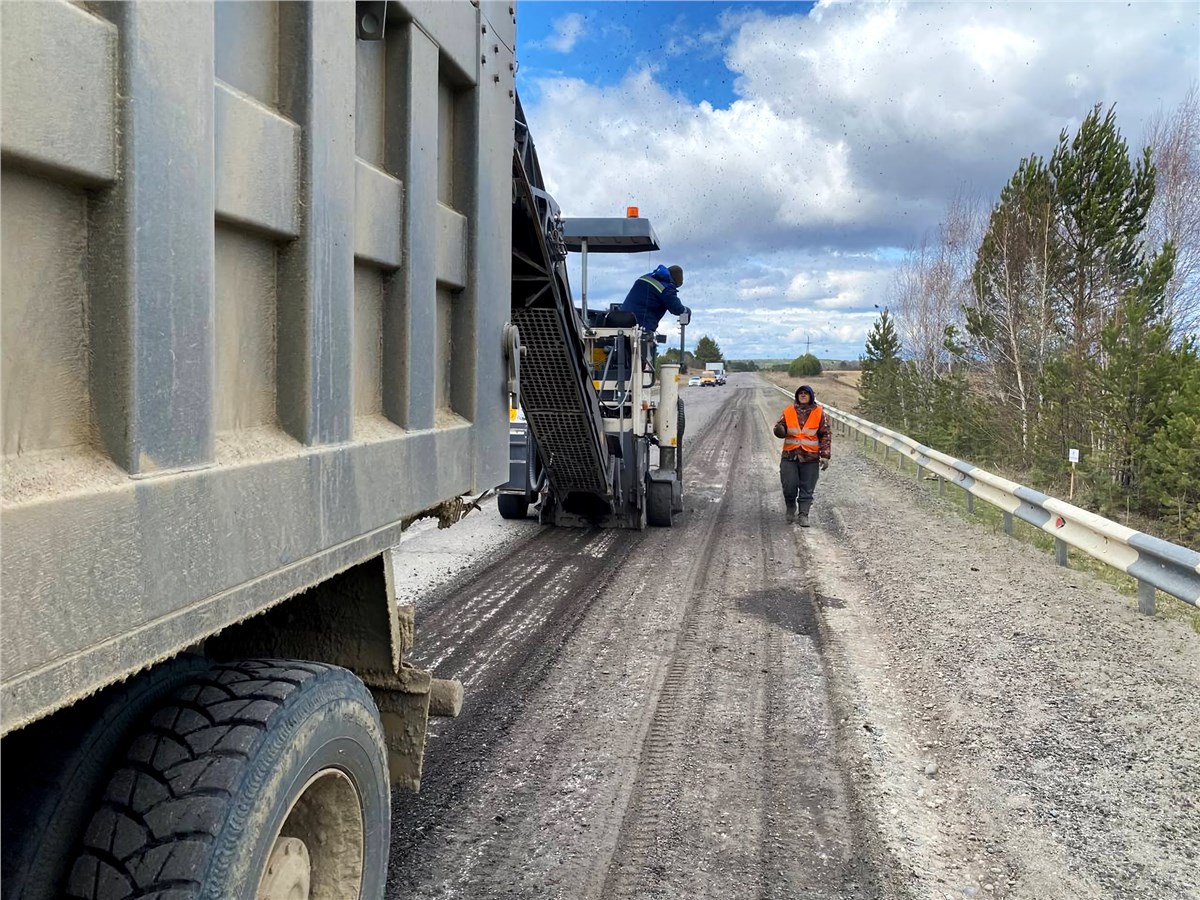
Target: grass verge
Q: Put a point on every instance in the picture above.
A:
(954, 498)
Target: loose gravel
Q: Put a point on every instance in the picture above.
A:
(1020, 730)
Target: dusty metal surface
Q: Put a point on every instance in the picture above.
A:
(218, 359)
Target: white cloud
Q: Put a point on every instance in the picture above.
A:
(854, 125)
(567, 31)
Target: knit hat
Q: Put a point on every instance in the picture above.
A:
(676, 275)
(805, 387)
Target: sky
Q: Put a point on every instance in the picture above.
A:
(788, 154)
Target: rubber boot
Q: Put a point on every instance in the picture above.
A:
(791, 511)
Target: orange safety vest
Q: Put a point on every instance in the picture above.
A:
(802, 438)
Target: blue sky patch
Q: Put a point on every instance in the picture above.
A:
(683, 43)
(792, 155)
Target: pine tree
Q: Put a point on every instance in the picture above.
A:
(1103, 202)
(1171, 470)
(880, 385)
(707, 350)
(1136, 374)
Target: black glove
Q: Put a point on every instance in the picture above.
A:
(824, 464)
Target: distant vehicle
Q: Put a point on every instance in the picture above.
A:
(694, 381)
(715, 367)
(708, 379)
(721, 379)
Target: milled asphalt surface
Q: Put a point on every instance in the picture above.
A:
(894, 703)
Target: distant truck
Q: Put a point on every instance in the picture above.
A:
(256, 278)
(717, 370)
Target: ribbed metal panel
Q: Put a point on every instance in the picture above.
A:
(242, 241)
(550, 398)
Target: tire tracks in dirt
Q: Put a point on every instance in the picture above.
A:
(660, 726)
(779, 821)
(634, 870)
(504, 630)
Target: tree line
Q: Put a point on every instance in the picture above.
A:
(1066, 316)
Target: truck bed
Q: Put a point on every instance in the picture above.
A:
(255, 277)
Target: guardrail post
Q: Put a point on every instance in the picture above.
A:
(1060, 552)
(1008, 523)
(941, 486)
(970, 501)
(917, 473)
(1146, 598)
(899, 461)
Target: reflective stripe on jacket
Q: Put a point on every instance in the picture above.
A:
(802, 438)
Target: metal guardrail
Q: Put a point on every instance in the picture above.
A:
(1155, 563)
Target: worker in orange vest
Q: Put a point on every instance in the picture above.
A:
(806, 445)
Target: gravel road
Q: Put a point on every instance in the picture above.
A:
(893, 703)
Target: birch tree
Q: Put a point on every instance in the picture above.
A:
(933, 284)
(1010, 314)
(1174, 140)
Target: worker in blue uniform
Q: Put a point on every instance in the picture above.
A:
(654, 295)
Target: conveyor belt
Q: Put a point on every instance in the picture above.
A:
(557, 396)
(560, 423)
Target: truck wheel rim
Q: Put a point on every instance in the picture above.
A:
(318, 851)
(289, 872)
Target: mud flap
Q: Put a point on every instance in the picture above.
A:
(353, 620)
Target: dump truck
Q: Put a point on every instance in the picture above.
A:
(256, 294)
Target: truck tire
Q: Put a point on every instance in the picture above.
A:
(56, 769)
(658, 504)
(512, 506)
(261, 779)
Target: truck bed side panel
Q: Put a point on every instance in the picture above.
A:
(252, 311)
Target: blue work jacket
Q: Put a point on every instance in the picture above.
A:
(653, 296)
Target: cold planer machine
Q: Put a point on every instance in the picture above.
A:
(601, 443)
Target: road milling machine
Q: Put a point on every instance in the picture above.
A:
(598, 439)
